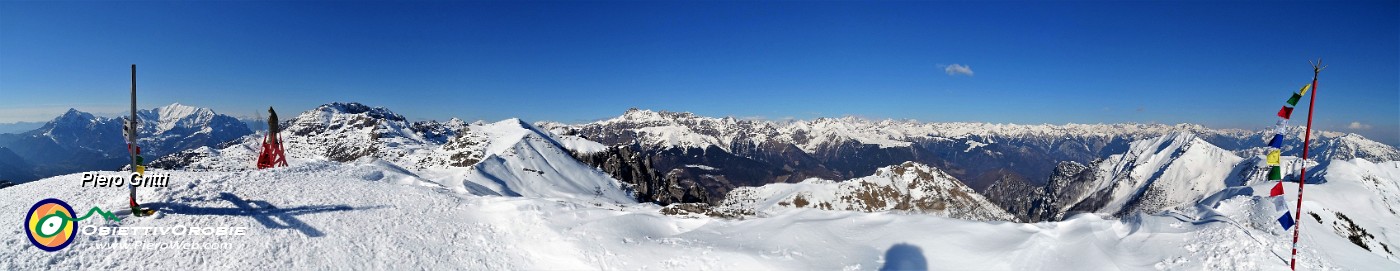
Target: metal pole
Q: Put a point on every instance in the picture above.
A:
(1303, 173)
(131, 139)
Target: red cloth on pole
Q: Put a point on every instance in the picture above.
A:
(272, 154)
(1285, 112)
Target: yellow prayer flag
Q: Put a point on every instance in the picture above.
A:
(1273, 157)
(1304, 90)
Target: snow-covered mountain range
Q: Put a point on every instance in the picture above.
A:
(666, 145)
(509, 157)
(335, 213)
(79, 141)
(1114, 196)
(1154, 175)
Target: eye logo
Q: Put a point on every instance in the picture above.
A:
(49, 224)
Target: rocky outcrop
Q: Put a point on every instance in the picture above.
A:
(629, 165)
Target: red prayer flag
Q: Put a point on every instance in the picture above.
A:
(1277, 191)
(1285, 112)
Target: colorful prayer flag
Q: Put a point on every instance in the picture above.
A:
(1277, 190)
(1293, 101)
(1285, 112)
(1276, 142)
(1273, 158)
(1275, 173)
(1286, 220)
(1304, 90)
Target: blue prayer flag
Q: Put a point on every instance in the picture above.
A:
(1286, 220)
(1277, 142)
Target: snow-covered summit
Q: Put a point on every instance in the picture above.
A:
(353, 108)
(519, 159)
(1351, 146)
(1159, 173)
(172, 115)
(910, 186)
(177, 127)
(75, 128)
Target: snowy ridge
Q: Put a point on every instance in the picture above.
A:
(1160, 173)
(1355, 201)
(909, 187)
(1350, 206)
(521, 160)
(336, 132)
(177, 115)
(671, 129)
(177, 127)
(345, 211)
(1352, 146)
(508, 158)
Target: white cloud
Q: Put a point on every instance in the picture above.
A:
(957, 69)
(1357, 125)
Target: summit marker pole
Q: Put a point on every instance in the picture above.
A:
(1303, 173)
(131, 142)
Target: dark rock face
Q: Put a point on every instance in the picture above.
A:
(629, 165)
(1048, 202)
(1068, 183)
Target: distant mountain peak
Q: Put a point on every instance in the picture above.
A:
(358, 108)
(74, 114)
(177, 109)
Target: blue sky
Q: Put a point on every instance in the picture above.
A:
(1219, 64)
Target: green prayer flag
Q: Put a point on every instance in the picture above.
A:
(1275, 174)
(1294, 100)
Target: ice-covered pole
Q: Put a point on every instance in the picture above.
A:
(1303, 173)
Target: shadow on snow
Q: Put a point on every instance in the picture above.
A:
(265, 213)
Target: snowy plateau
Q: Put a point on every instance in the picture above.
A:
(368, 190)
